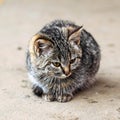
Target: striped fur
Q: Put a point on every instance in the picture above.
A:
(75, 53)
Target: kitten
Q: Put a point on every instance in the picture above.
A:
(62, 58)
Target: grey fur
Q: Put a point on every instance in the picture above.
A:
(83, 71)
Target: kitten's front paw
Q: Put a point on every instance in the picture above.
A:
(37, 90)
(64, 98)
(48, 97)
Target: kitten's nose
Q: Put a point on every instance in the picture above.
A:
(66, 70)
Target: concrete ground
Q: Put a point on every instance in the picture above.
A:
(20, 20)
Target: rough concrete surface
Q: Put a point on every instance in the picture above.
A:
(20, 20)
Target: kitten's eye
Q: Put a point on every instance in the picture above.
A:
(72, 61)
(56, 64)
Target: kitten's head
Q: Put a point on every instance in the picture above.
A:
(56, 51)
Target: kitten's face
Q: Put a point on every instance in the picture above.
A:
(62, 68)
(61, 59)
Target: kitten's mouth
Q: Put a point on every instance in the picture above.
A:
(59, 75)
(63, 76)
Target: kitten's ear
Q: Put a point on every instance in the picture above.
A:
(40, 45)
(74, 35)
(43, 46)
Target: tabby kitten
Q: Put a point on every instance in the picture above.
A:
(62, 58)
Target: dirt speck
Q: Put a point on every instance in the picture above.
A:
(65, 117)
(20, 69)
(109, 86)
(24, 84)
(85, 98)
(24, 81)
(111, 100)
(111, 45)
(27, 96)
(118, 109)
(4, 89)
(102, 92)
(19, 48)
(92, 101)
